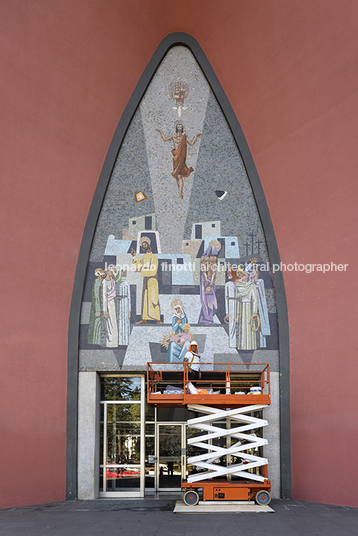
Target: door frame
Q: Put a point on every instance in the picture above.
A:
(141, 465)
(182, 453)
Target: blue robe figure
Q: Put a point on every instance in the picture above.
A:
(179, 342)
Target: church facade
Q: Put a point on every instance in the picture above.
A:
(172, 175)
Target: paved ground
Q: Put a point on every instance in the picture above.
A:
(155, 517)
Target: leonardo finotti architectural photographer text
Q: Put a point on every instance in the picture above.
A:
(247, 266)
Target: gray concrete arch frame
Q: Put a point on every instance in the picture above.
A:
(88, 235)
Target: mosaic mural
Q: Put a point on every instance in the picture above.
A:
(179, 251)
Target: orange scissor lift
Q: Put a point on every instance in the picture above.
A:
(236, 393)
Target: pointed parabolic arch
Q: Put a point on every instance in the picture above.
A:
(172, 40)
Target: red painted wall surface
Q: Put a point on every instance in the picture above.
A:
(68, 69)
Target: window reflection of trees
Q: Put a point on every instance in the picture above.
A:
(120, 388)
(123, 420)
(123, 433)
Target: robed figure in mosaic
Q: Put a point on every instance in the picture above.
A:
(180, 140)
(265, 329)
(109, 294)
(148, 267)
(208, 270)
(247, 312)
(230, 306)
(178, 342)
(179, 316)
(95, 321)
(124, 308)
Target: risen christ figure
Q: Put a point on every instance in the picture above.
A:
(180, 140)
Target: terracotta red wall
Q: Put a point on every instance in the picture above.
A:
(68, 69)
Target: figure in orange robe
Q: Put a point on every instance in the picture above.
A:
(179, 160)
(180, 169)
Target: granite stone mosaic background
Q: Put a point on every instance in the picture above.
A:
(179, 253)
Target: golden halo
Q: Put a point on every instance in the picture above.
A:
(144, 239)
(175, 303)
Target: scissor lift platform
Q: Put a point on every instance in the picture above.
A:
(233, 391)
(221, 385)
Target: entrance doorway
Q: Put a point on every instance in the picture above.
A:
(142, 449)
(170, 456)
(122, 440)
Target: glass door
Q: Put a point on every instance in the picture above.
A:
(122, 436)
(170, 456)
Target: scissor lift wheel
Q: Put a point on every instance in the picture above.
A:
(191, 498)
(263, 497)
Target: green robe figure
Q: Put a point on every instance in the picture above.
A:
(95, 321)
